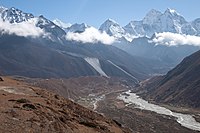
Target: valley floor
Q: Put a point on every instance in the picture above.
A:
(101, 95)
(136, 119)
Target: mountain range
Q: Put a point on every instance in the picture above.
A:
(93, 67)
(54, 56)
(153, 22)
(136, 37)
(51, 54)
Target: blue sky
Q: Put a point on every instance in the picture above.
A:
(95, 12)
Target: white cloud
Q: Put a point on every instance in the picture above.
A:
(25, 29)
(91, 35)
(173, 39)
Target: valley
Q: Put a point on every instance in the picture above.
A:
(57, 77)
(102, 94)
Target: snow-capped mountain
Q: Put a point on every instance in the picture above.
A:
(139, 67)
(171, 21)
(35, 56)
(112, 28)
(196, 25)
(16, 16)
(77, 28)
(61, 24)
(155, 21)
(2, 9)
(151, 17)
(50, 27)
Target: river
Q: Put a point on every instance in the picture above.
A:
(185, 120)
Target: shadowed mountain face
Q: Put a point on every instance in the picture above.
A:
(164, 56)
(181, 85)
(45, 59)
(20, 56)
(48, 54)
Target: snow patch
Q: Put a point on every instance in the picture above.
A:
(94, 62)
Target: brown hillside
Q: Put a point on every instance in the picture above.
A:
(181, 85)
(29, 109)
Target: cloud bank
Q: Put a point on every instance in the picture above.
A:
(173, 39)
(25, 29)
(91, 35)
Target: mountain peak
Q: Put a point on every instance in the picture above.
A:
(110, 21)
(112, 28)
(61, 24)
(13, 8)
(2, 9)
(14, 15)
(83, 25)
(77, 27)
(151, 16)
(171, 11)
(153, 11)
(175, 16)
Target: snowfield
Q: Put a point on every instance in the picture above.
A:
(94, 62)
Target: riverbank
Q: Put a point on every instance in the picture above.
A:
(185, 120)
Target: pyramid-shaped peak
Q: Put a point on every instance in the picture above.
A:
(151, 16)
(153, 11)
(171, 11)
(110, 22)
